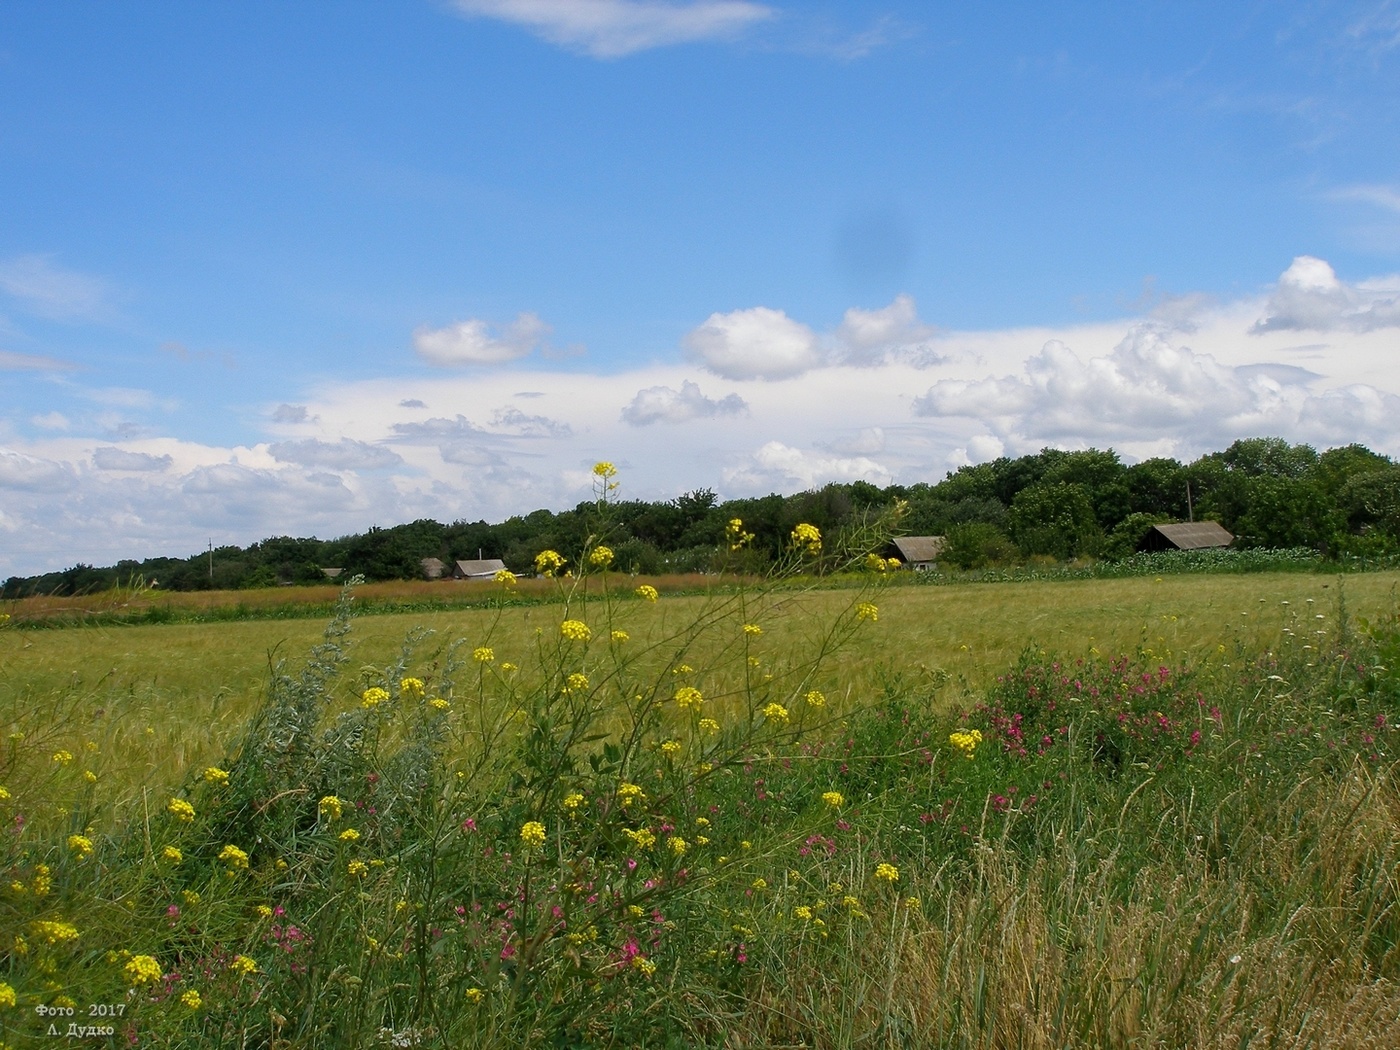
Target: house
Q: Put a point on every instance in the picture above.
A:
(1185, 536)
(433, 568)
(917, 552)
(332, 574)
(477, 569)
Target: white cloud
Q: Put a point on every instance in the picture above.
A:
(345, 454)
(868, 336)
(50, 421)
(472, 342)
(614, 28)
(33, 363)
(664, 404)
(50, 290)
(21, 471)
(777, 467)
(108, 458)
(758, 343)
(289, 414)
(513, 421)
(1310, 297)
(1385, 197)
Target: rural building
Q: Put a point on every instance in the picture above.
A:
(1185, 536)
(917, 552)
(433, 568)
(477, 569)
(332, 574)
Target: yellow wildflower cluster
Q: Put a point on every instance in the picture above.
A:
(576, 682)
(547, 563)
(600, 557)
(412, 688)
(966, 741)
(483, 654)
(605, 470)
(474, 995)
(233, 857)
(80, 844)
(374, 696)
(807, 539)
(358, 868)
(753, 630)
(734, 532)
(532, 834)
(437, 703)
(180, 810)
(215, 775)
(63, 757)
(505, 578)
(628, 793)
(620, 636)
(670, 748)
(687, 696)
(708, 725)
(53, 931)
(331, 807)
(7, 994)
(643, 965)
(191, 999)
(241, 964)
(677, 845)
(575, 630)
(349, 835)
(815, 698)
(642, 838)
(775, 712)
(867, 611)
(834, 799)
(647, 592)
(171, 855)
(4, 794)
(886, 872)
(142, 969)
(573, 802)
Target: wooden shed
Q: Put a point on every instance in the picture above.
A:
(477, 568)
(1185, 536)
(918, 552)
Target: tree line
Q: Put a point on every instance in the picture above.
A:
(1053, 505)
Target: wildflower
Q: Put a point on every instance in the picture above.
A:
(330, 807)
(572, 802)
(90, 776)
(505, 578)
(180, 810)
(736, 535)
(437, 703)
(190, 897)
(802, 911)
(241, 964)
(576, 681)
(263, 911)
(7, 996)
(215, 775)
(357, 868)
(887, 872)
(687, 696)
(575, 630)
(507, 668)
(775, 712)
(475, 995)
(912, 903)
(642, 838)
(708, 725)
(603, 469)
(677, 845)
(600, 557)
(850, 902)
(815, 698)
(760, 884)
(191, 999)
(834, 799)
(893, 563)
(4, 794)
(349, 835)
(671, 748)
(875, 563)
(373, 696)
(142, 969)
(412, 688)
(63, 757)
(867, 611)
(629, 793)
(703, 767)
(80, 844)
(233, 857)
(702, 840)
(643, 965)
(547, 563)
(807, 539)
(532, 834)
(648, 592)
(620, 636)
(483, 654)
(54, 931)
(966, 741)
(753, 630)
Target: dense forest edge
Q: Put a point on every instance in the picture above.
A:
(1047, 508)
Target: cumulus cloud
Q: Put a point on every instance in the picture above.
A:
(1310, 297)
(664, 404)
(870, 336)
(108, 458)
(776, 467)
(21, 471)
(411, 402)
(439, 428)
(757, 343)
(473, 342)
(514, 421)
(345, 454)
(52, 291)
(33, 363)
(614, 28)
(290, 414)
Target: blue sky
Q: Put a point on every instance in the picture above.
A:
(304, 268)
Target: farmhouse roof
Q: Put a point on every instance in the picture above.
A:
(433, 568)
(331, 574)
(1194, 535)
(914, 550)
(477, 568)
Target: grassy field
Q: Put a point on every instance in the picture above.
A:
(1138, 812)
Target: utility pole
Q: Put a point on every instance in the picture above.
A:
(211, 561)
(1190, 511)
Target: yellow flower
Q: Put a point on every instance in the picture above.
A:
(483, 654)
(190, 897)
(180, 810)
(330, 807)
(349, 835)
(604, 469)
(373, 696)
(966, 741)
(620, 636)
(815, 698)
(575, 630)
(736, 535)
(215, 775)
(912, 903)
(701, 840)
(532, 834)
(887, 872)
(80, 844)
(893, 563)
(357, 868)
(677, 845)
(53, 931)
(834, 799)
(642, 838)
(572, 801)
(802, 911)
(629, 793)
(601, 557)
(547, 563)
(437, 703)
(63, 757)
(191, 999)
(867, 611)
(671, 748)
(241, 964)
(7, 996)
(760, 884)
(412, 688)
(875, 563)
(648, 592)
(753, 630)
(233, 857)
(475, 995)
(142, 969)
(90, 776)
(807, 539)
(775, 712)
(575, 682)
(643, 965)
(507, 668)
(505, 578)
(263, 911)
(708, 725)
(687, 696)
(4, 794)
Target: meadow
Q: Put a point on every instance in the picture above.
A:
(1148, 811)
